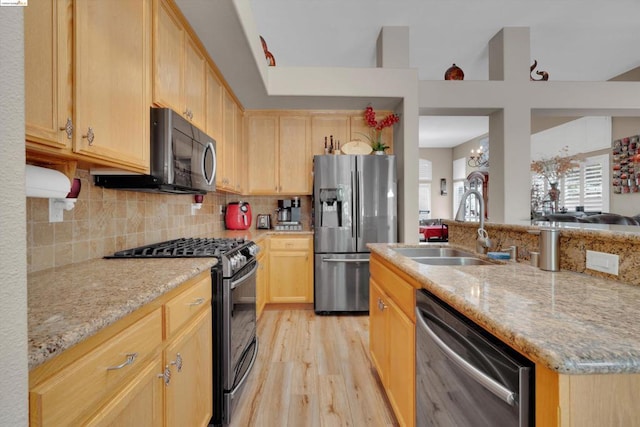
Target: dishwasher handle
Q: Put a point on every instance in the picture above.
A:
(487, 382)
(346, 260)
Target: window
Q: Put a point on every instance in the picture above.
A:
(425, 176)
(586, 186)
(459, 175)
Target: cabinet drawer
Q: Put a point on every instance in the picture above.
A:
(95, 375)
(289, 243)
(400, 291)
(180, 308)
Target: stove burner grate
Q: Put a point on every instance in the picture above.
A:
(183, 248)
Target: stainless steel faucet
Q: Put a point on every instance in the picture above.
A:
(482, 241)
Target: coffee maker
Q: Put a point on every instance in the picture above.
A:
(288, 214)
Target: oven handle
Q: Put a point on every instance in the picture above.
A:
(236, 283)
(254, 356)
(490, 384)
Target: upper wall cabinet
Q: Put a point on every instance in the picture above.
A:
(179, 67)
(106, 120)
(47, 73)
(113, 80)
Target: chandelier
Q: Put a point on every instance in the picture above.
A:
(478, 159)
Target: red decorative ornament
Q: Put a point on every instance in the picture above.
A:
(454, 73)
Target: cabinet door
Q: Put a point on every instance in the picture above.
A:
(112, 58)
(47, 72)
(229, 150)
(262, 154)
(189, 395)
(378, 320)
(194, 83)
(168, 47)
(240, 154)
(214, 108)
(401, 378)
(326, 126)
(139, 404)
(295, 155)
(289, 277)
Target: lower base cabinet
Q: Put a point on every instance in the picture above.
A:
(392, 338)
(151, 368)
(290, 269)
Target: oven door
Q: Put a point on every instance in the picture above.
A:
(239, 324)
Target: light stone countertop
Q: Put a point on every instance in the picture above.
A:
(69, 304)
(570, 322)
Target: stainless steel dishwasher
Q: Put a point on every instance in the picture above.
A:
(464, 375)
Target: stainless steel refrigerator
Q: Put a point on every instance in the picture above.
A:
(355, 203)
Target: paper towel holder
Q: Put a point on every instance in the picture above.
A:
(53, 185)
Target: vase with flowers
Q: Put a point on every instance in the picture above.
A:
(552, 169)
(376, 127)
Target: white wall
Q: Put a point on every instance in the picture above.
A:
(442, 167)
(13, 253)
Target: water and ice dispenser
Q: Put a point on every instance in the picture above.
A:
(331, 200)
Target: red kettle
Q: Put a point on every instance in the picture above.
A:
(238, 216)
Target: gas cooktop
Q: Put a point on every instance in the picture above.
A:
(183, 248)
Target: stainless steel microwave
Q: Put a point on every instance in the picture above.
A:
(182, 159)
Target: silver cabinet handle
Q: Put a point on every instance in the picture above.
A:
(165, 375)
(68, 128)
(186, 113)
(197, 301)
(348, 261)
(90, 136)
(381, 305)
(489, 383)
(131, 357)
(178, 362)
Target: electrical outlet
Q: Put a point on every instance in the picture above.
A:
(602, 261)
(221, 209)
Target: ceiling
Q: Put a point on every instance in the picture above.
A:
(577, 40)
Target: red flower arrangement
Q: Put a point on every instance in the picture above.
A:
(375, 133)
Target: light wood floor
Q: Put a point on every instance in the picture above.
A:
(312, 371)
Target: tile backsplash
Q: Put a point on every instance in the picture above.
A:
(104, 221)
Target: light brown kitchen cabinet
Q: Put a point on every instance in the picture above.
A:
(179, 66)
(262, 276)
(327, 125)
(279, 154)
(128, 373)
(48, 74)
(189, 357)
(112, 80)
(263, 135)
(89, 104)
(294, 155)
(229, 148)
(290, 269)
(392, 337)
(240, 153)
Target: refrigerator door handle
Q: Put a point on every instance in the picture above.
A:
(353, 204)
(353, 261)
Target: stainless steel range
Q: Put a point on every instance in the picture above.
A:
(233, 301)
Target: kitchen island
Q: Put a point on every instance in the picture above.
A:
(581, 331)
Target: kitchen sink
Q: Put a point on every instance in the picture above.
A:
(446, 260)
(432, 252)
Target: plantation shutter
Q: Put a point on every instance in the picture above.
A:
(571, 189)
(594, 185)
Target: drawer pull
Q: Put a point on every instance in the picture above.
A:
(166, 375)
(381, 305)
(68, 128)
(131, 357)
(178, 362)
(197, 301)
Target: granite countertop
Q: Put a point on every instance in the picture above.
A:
(69, 304)
(570, 322)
